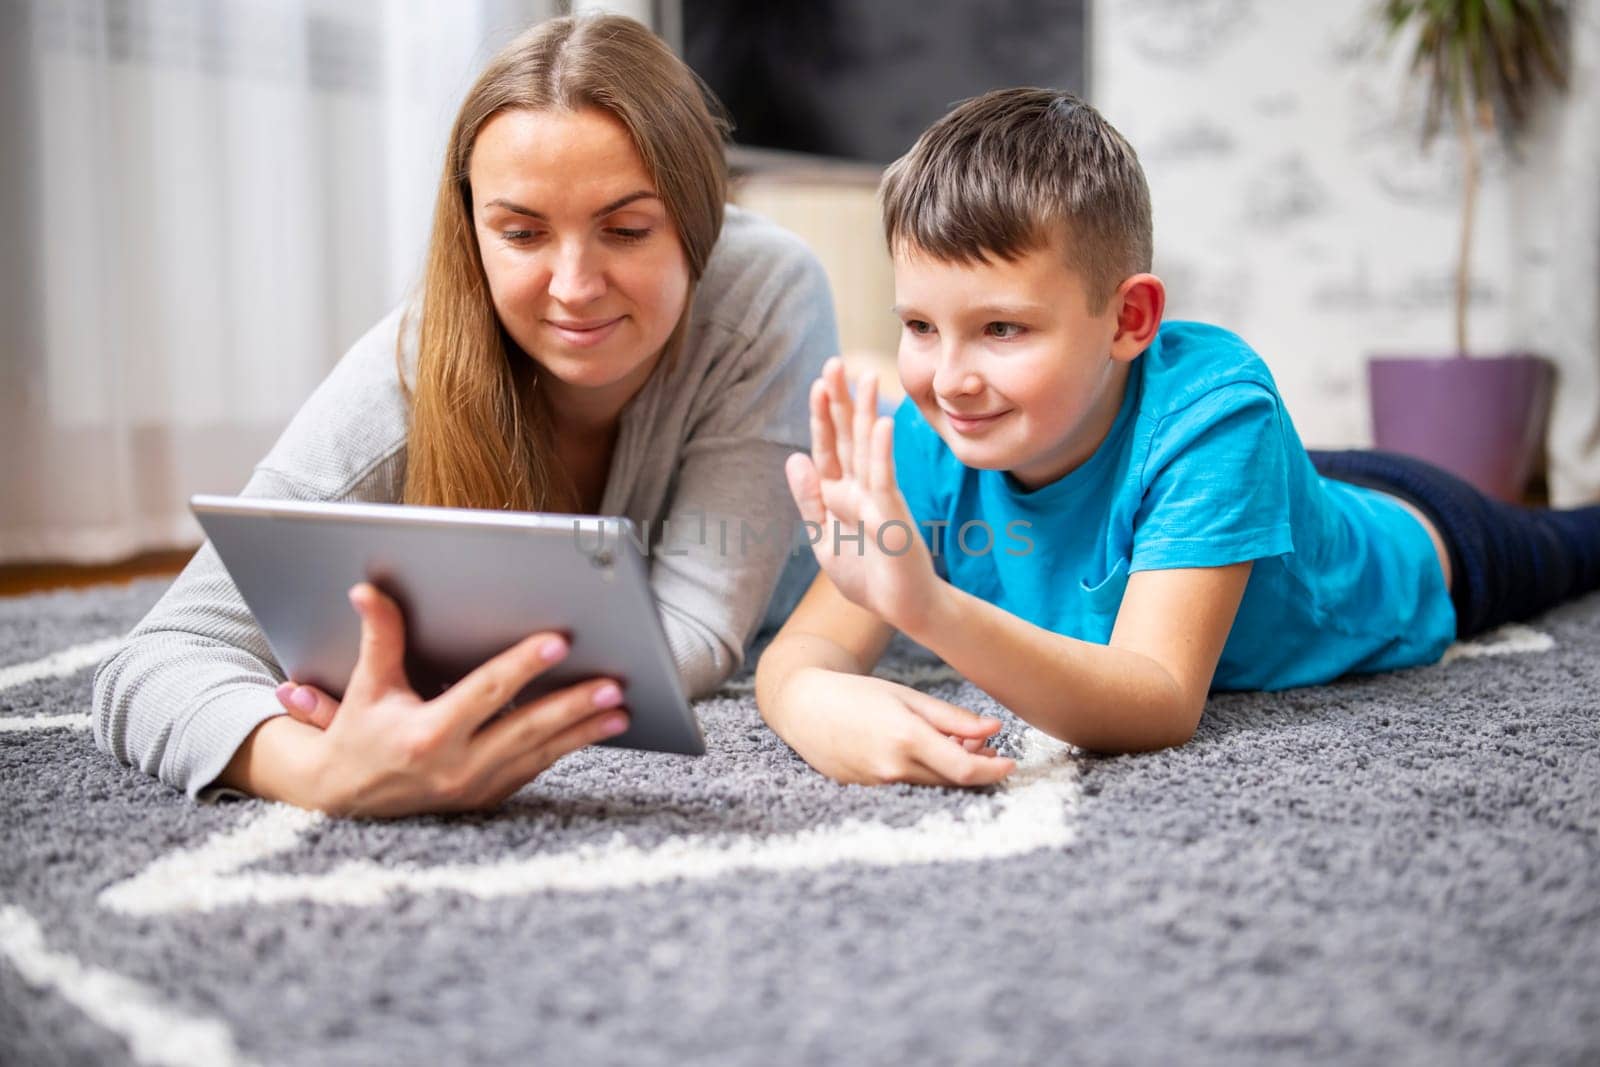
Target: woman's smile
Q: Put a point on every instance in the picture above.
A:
(584, 333)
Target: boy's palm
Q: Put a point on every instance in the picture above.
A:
(847, 487)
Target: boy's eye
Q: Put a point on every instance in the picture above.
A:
(917, 326)
(1004, 331)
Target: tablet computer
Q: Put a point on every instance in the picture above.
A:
(470, 585)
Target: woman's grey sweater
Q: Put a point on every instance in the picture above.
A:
(708, 438)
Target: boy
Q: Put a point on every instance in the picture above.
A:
(1093, 517)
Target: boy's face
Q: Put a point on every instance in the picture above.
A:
(1007, 361)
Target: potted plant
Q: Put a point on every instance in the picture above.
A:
(1485, 63)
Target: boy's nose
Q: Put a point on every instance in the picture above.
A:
(953, 379)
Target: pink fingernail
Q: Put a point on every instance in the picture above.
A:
(284, 690)
(304, 699)
(552, 650)
(607, 696)
(614, 725)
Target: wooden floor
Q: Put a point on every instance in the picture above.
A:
(17, 579)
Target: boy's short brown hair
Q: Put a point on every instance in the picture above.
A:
(1006, 172)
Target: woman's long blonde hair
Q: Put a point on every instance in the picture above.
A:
(478, 434)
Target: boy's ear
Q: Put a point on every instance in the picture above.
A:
(1138, 303)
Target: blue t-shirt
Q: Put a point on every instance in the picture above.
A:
(1202, 468)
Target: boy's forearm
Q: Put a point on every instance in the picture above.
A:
(1097, 697)
(788, 655)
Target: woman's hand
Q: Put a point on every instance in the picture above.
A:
(384, 751)
(862, 730)
(847, 486)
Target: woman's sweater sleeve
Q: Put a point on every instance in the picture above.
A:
(732, 520)
(195, 676)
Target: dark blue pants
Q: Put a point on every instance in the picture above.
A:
(1508, 563)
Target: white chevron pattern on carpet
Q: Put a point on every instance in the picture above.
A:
(156, 1032)
(1034, 812)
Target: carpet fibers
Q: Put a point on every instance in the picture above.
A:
(1393, 869)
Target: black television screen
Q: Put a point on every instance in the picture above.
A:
(860, 79)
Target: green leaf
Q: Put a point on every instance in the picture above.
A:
(1482, 58)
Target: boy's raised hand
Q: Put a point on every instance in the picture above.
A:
(847, 488)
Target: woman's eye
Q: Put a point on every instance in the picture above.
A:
(919, 327)
(626, 233)
(1004, 331)
(516, 237)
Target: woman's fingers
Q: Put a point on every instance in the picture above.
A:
(308, 704)
(527, 765)
(534, 724)
(380, 666)
(824, 447)
(476, 698)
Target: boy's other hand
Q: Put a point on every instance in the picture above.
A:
(861, 730)
(869, 545)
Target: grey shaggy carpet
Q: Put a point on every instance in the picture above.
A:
(1393, 869)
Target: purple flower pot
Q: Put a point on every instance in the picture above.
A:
(1481, 418)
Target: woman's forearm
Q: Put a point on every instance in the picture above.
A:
(280, 761)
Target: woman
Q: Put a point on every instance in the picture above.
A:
(592, 335)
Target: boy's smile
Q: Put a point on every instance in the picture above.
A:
(1007, 361)
(972, 425)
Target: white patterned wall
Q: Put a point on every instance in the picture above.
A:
(1294, 205)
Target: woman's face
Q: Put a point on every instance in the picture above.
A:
(586, 269)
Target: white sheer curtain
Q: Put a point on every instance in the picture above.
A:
(202, 203)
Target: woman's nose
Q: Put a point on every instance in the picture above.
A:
(576, 276)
